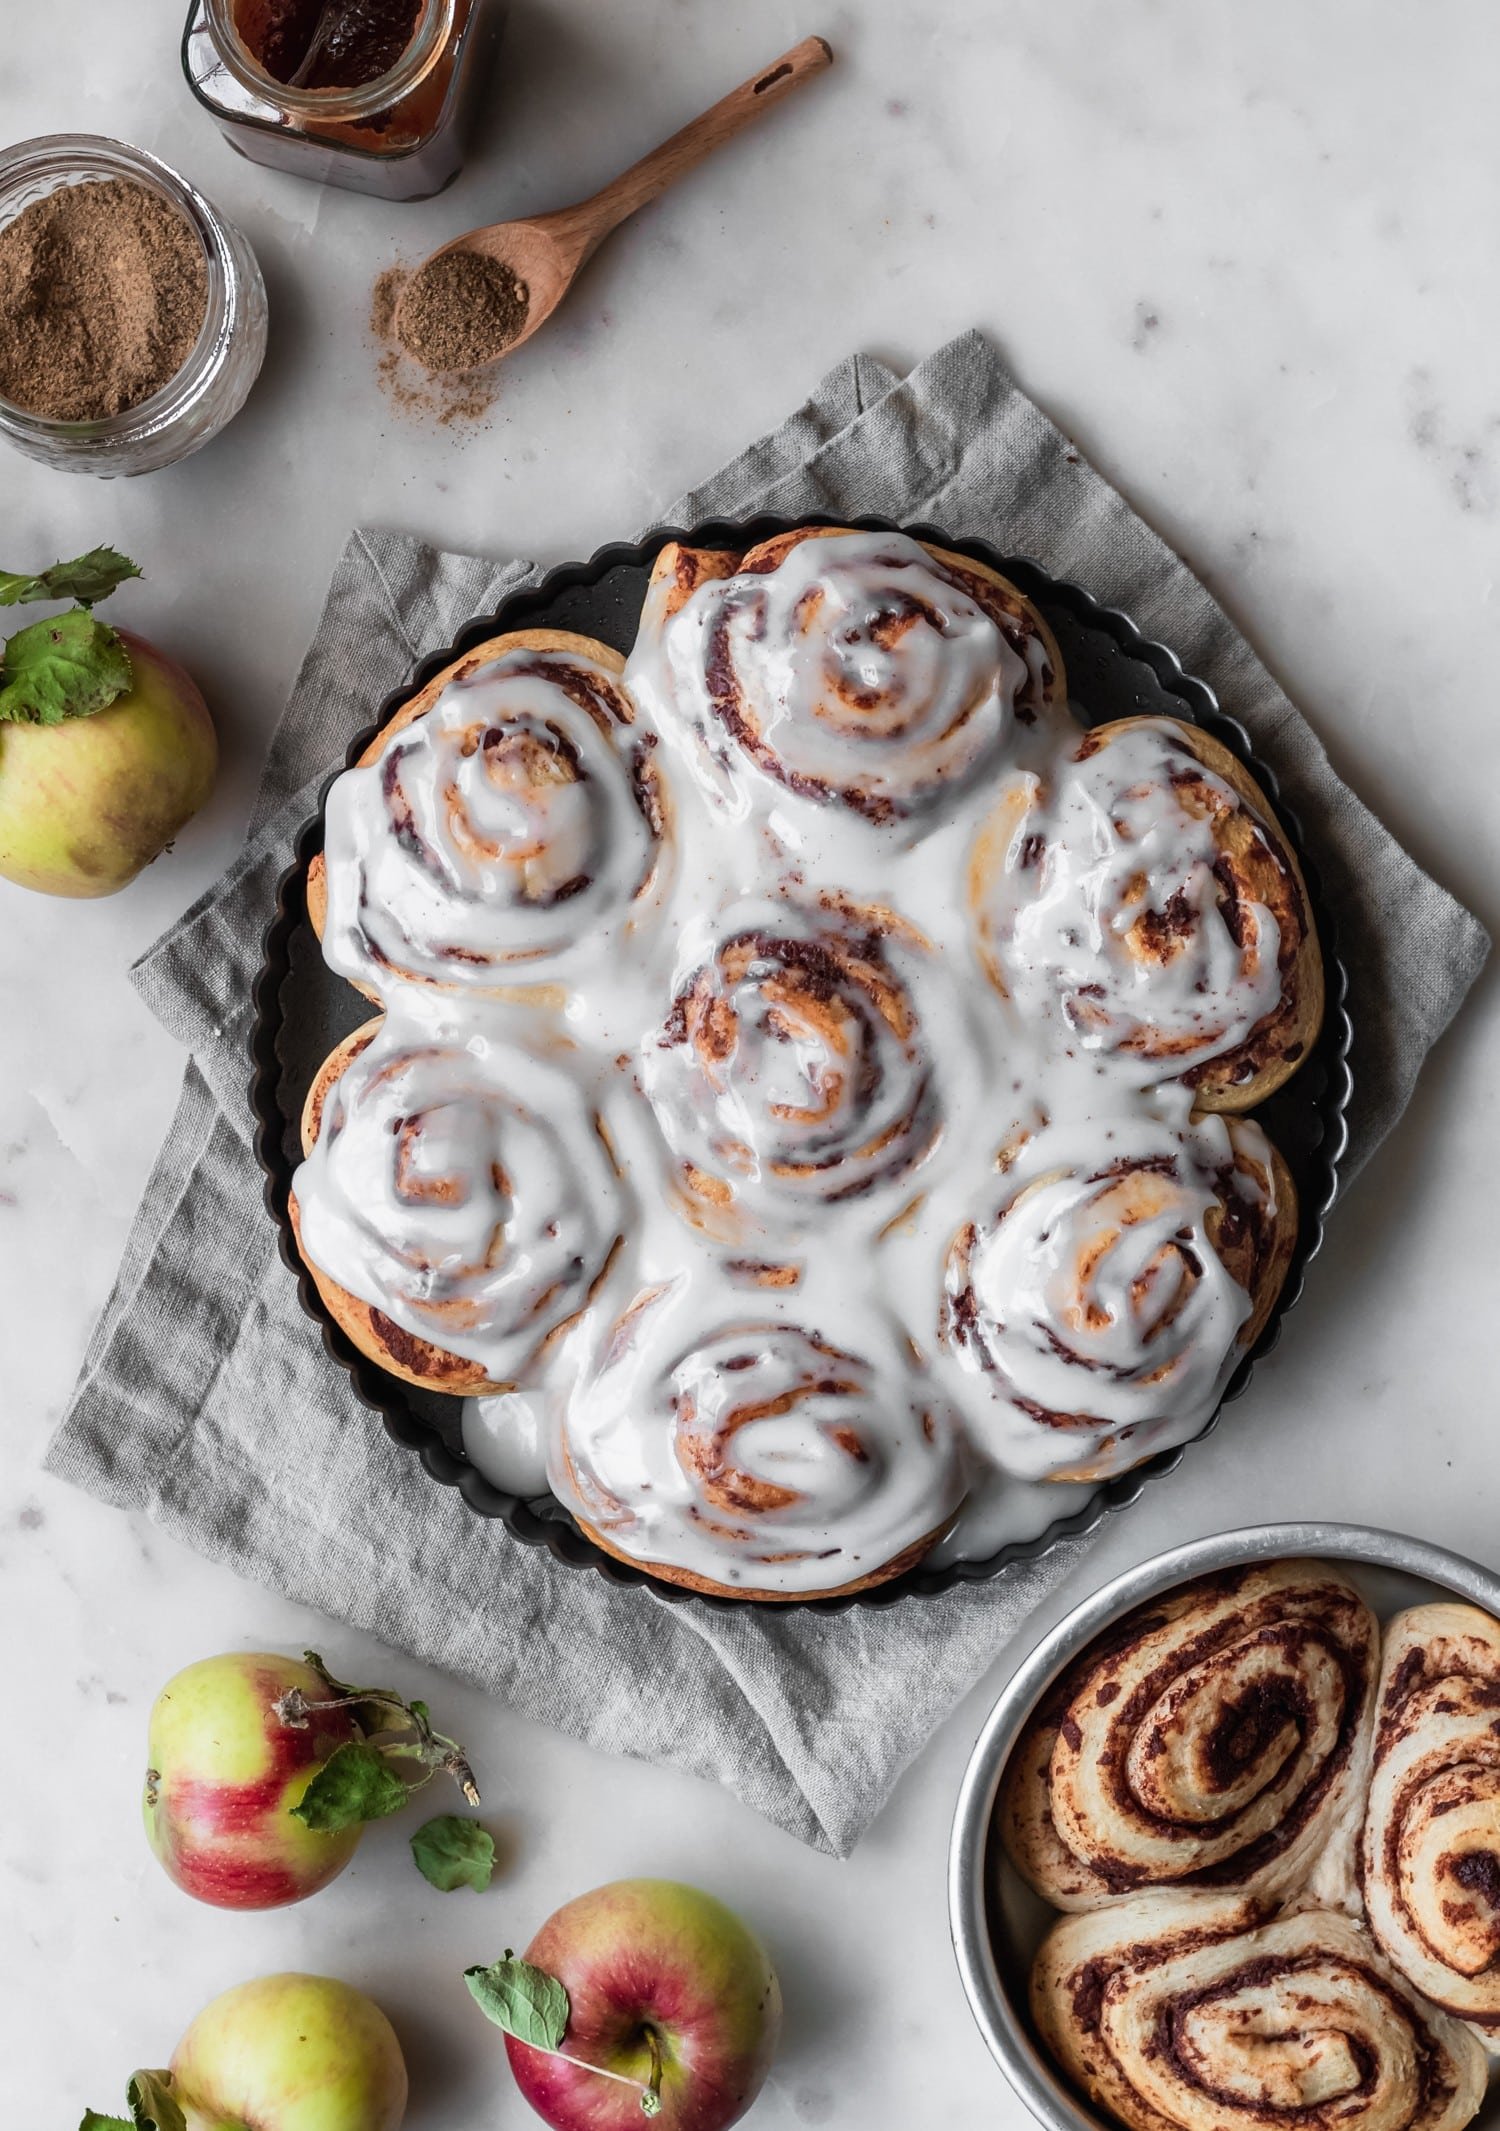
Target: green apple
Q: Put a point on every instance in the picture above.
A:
(290, 2053)
(86, 803)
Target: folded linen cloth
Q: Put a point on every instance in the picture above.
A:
(206, 1398)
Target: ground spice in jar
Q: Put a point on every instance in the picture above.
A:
(103, 290)
(461, 310)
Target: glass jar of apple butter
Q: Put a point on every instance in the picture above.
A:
(371, 94)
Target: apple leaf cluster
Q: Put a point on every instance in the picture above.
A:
(72, 665)
(368, 1778)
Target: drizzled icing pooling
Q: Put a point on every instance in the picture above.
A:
(1090, 1303)
(508, 828)
(792, 1068)
(755, 1452)
(462, 1187)
(859, 671)
(735, 1217)
(1104, 895)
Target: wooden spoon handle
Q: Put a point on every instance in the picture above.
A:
(647, 179)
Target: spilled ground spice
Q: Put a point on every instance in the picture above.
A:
(451, 401)
(461, 310)
(103, 289)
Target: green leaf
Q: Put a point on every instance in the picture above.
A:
(525, 2001)
(354, 1784)
(152, 2104)
(86, 578)
(66, 668)
(93, 2121)
(451, 1852)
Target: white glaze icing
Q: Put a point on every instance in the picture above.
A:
(460, 1184)
(1087, 1301)
(785, 1114)
(505, 1437)
(509, 830)
(859, 671)
(1097, 901)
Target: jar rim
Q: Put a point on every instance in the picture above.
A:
(334, 106)
(71, 158)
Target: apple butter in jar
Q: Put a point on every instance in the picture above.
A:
(371, 94)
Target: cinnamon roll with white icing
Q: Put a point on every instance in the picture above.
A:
(1181, 2012)
(765, 1456)
(456, 1204)
(1218, 1738)
(793, 1071)
(1096, 1304)
(1141, 890)
(865, 671)
(507, 822)
(1430, 1869)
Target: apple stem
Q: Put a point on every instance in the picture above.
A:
(622, 2079)
(651, 2097)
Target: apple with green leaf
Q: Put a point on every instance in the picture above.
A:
(644, 1998)
(106, 746)
(284, 2053)
(263, 1772)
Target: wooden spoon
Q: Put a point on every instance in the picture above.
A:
(546, 252)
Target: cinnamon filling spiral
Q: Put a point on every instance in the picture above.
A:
(1140, 896)
(1216, 1741)
(1431, 1864)
(859, 669)
(1183, 2010)
(467, 1197)
(792, 1069)
(1099, 1303)
(756, 1451)
(514, 820)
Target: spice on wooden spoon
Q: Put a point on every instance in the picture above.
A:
(517, 273)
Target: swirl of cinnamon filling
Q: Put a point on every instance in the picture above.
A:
(1431, 1862)
(1182, 2012)
(763, 1458)
(509, 815)
(1218, 1738)
(456, 1203)
(864, 670)
(1097, 1306)
(1144, 893)
(793, 1070)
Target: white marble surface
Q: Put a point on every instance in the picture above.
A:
(1248, 255)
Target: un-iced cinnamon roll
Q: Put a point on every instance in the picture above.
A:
(1097, 1302)
(1182, 2012)
(792, 1070)
(456, 1203)
(761, 1456)
(1431, 1858)
(861, 670)
(1218, 1738)
(508, 819)
(1141, 890)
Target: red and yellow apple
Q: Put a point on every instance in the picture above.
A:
(84, 805)
(225, 1772)
(655, 1971)
(290, 2053)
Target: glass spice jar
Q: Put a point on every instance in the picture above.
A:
(222, 364)
(399, 134)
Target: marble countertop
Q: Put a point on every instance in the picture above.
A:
(1247, 256)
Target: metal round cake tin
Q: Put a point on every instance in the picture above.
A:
(302, 1009)
(995, 1919)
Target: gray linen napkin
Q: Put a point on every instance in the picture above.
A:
(206, 1399)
